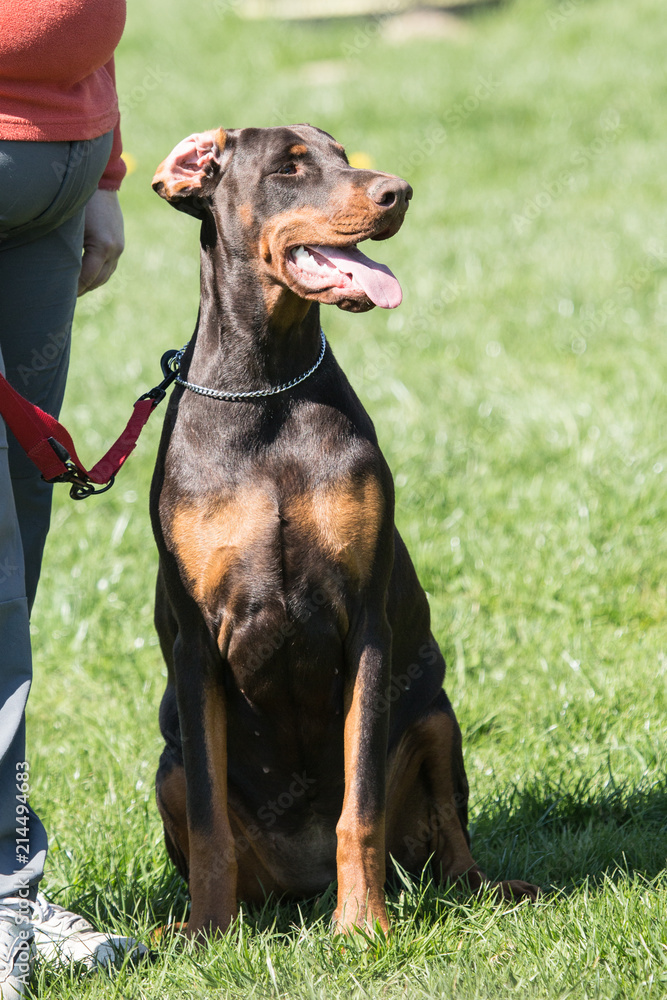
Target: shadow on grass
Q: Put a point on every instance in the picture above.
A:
(555, 834)
(559, 833)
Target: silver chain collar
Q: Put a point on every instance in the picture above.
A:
(219, 394)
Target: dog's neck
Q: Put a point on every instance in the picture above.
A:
(250, 336)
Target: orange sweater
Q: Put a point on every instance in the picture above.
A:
(57, 78)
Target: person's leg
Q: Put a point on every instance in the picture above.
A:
(36, 352)
(22, 836)
(40, 261)
(43, 191)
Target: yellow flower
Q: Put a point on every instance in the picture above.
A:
(129, 161)
(360, 160)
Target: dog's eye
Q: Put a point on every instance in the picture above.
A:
(288, 168)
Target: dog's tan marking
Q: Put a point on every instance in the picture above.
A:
(344, 520)
(246, 214)
(353, 210)
(427, 824)
(361, 873)
(213, 866)
(298, 150)
(289, 228)
(427, 806)
(360, 855)
(284, 307)
(210, 536)
(172, 808)
(350, 215)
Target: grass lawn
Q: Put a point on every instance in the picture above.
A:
(520, 395)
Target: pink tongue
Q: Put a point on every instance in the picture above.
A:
(377, 281)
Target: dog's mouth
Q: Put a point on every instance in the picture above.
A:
(343, 276)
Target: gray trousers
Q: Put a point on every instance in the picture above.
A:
(44, 187)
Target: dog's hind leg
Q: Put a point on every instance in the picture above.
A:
(170, 795)
(427, 805)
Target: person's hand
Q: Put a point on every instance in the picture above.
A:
(103, 240)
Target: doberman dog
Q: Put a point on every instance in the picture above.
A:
(307, 733)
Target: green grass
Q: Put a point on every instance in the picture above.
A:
(520, 396)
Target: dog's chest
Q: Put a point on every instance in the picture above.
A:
(260, 539)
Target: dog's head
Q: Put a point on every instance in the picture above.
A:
(288, 198)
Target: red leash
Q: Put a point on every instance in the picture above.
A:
(51, 448)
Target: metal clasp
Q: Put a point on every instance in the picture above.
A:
(170, 372)
(81, 487)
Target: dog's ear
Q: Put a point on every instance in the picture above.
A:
(191, 172)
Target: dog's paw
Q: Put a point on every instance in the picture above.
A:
(161, 935)
(364, 923)
(515, 890)
(511, 890)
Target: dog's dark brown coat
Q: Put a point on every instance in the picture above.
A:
(307, 734)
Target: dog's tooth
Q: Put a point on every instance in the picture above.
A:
(304, 259)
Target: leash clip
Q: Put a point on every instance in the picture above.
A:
(81, 489)
(80, 485)
(170, 365)
(170, 362)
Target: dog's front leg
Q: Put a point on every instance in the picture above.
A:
(203, 722)
(360, 858)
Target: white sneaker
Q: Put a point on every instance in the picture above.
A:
(16, 947)
(63, 937)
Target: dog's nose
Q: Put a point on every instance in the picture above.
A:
(390, 192)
